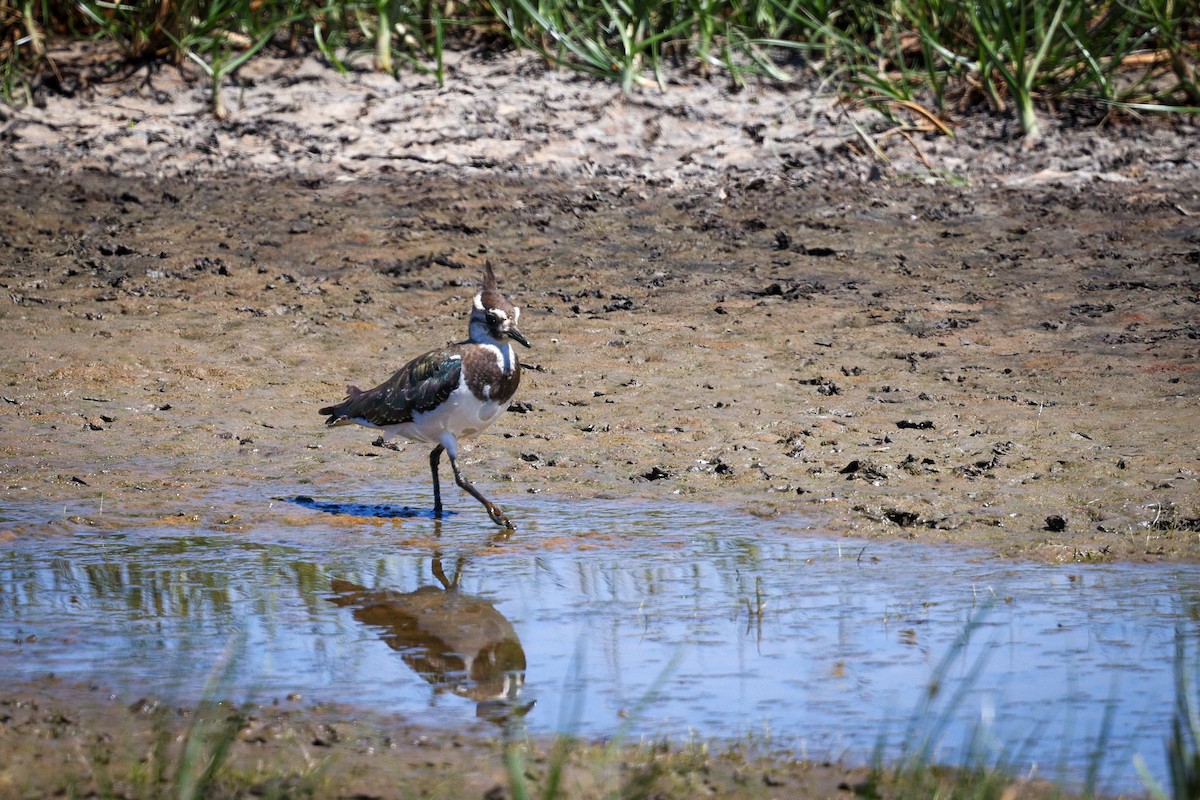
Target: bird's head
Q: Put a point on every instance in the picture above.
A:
(493, 316)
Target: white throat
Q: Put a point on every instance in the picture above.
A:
(506, 357)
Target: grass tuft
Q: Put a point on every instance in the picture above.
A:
(1022, 58)
(1183, 740)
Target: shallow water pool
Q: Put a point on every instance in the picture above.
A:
(605, 618)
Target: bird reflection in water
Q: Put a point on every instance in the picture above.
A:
(458, 643)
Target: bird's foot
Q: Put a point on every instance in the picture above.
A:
(499, 516)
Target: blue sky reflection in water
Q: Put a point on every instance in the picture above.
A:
(745, 626)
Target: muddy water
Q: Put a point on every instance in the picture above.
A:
(603, 618)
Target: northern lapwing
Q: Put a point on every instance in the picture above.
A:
(450, 393)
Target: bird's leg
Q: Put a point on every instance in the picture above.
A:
(450, 585)
(493, 510)
(438, 572)
(434, 456)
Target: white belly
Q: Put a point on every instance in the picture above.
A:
(462, 415)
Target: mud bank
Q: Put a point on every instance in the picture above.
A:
(1009, 368)
(504, 114)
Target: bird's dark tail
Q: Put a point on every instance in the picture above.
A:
(336, 413)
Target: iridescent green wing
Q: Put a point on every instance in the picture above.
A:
(420, 385)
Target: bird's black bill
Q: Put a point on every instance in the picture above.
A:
(516, 335)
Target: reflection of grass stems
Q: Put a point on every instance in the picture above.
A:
(986, 771)
(1100, 751)
(644, 702)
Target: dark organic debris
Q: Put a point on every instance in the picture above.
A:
(954, 323)
(923, 425)
(619, 302)
(1093, 310)
(863, 470)
(1056, 523)
(796, 291)
(774, 290)
(206, 264)
(905, 519)
(980, 467)
(783, 241)
(794, 442)
(118, 249)
(655, 474)
(825, 387)
(914, 466)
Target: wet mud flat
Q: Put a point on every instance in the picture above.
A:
(1009, 368)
